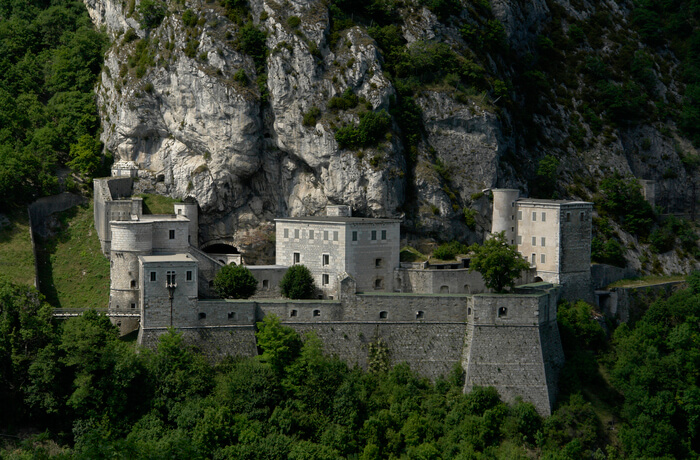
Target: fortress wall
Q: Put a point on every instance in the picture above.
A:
(577, 286)
(214, 342)
(575, 239)
(431, 349)
(602, 275)
(161, 235)
(119, 187)
(426, 281)
(268, 278)
(406, 307)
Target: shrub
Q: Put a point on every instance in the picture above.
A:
(241, 77)
(448, 251)
(189, 18)
(235, 282)
(623, 199)
(370, 131)
(297, 283)
(293, 21)
(347, 100)
(191, 48)
(499, 263)
(311, 117)
(251, 41)
(152, 13)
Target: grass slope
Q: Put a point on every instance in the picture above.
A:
(73, 273)
(158, 204)
(16, 256)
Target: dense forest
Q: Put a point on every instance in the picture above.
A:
(73, 389)
(50, 56)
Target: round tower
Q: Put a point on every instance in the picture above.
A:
(189, 209)
(130, 239)
(504, 212)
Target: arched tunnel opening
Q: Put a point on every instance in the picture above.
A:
(221, 248)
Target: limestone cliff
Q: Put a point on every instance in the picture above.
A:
(254, 137)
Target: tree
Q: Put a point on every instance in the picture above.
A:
(499, 263)
(298, 283)
(235, 282)
(280, 344)
(85, 155)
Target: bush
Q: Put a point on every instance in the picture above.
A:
(311, 117)
(293, 21)
(371, 130)
(152, 13)
(347, 100)
(448, 251)
(251, 41)
(241, 77)
(297, 283)
(235, 282)
(189, 18)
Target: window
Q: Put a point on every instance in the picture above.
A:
(469, 311)
(542, 258)
(383, 234)
(378, 263)
(444, 289)
(502, 312)
(326, 259)
(568, 217)
(317, 313)
(419, 314)
(335, 236)
(582, 216)
(286, 233)
(325, 279)
(542, 240)
(325, 234)
(512, 229)
(354, 236)
(374, 235)
(544, 217)
(171, 234)
(292, 313)
(133, 305)
(133, 284)
(202, 315)
(311, 234)
(297, 258)
(232, 315)
(520, 215)
(383, 315)
(189, 275)
(378, 283)
(534, 241)
(520, 239)
(534, 217)
(266, 284)
(179, 211)
(153, 276)
(296, 233)
(533, 258)
(170, 278)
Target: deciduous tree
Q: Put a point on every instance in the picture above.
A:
(499, 263)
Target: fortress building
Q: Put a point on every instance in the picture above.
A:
(433, 317)
(553, 235)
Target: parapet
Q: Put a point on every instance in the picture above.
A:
(338, 211)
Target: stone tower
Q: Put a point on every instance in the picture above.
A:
(504, 212)
(188, 208)
(130, 239)
(513, 344)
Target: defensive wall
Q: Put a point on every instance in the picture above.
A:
(628, 304)
(519, 353)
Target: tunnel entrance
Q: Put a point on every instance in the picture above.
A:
(221, 248)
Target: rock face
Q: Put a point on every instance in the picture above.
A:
(203, 119)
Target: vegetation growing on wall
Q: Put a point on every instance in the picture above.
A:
(235, 282)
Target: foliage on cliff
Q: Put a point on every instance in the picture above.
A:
(50, 56)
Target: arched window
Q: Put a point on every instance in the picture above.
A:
(444, 289)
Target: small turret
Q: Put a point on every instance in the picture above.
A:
(189, 209)
(504, 211)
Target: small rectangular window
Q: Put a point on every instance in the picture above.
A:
(582, 216)
(170, 278)
(378, 263)
(311, 234)
(171, 234)
(266, 284)
(544, 217)
(568, 217)
(534, 241)
(296, 233)
(542, 258)
(335, 236)
(374, 235)
(520, 215)
(533, 258)
(383, 234)
(542, 240)
(189, 275)
(286, 233)
(153, 276)
(520, 239)
(325, 234)
(534, 217)
(354, 236)
(297, 258)
(326, 259)
(326, 279)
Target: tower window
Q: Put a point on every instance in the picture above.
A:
(296, 233)
(354, 236)
(542, 240)
(326, 259)
(542, 258)
(335, 236)
(378, 263)
(325, 279)
(383, 234)
(297, 258)
(133, 305)
(153, 276)
(286, 233)
(374, 235)
(325, 235)
(520, 239)
(534, 241)
(133, 284)
(544, 217)
(171, 234)
(189, 275)
(534, 217)
(582, 216)
(568, 217)
(533, 258)
(520, 215)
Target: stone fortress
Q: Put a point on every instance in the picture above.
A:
(432, 317)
